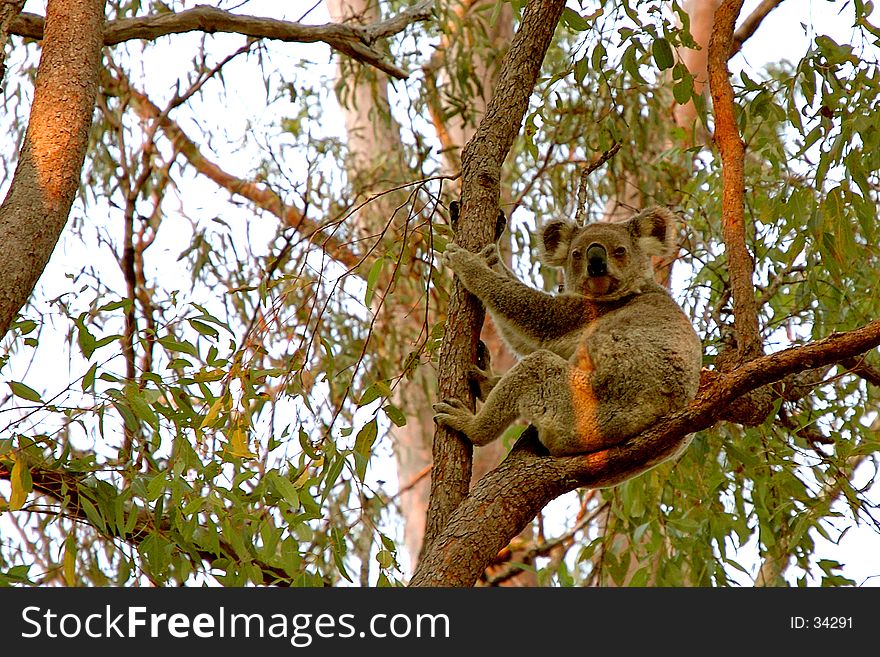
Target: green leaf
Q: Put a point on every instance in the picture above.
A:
(683, 89)
(140, 407)
(371, 394)
(372, 279)
(172, 344)
(25, 392)
(629, 63)
(93, 514)
(332, 474)
(640, 577)
(385, 559)
(70, 560)
(20, 480)
(17, 574)
(84, 338)
(115, 305)
(107, 339)
(284, 487)
(25, 326)
(395, 415)
(89, 378)
(574, 20)
(580, 70)
(598, 57)
(306, 445)
(339, 550)
(204, 329)
(748, 83)
(363, 446)
(662, 52)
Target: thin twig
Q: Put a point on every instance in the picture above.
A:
(582, 185)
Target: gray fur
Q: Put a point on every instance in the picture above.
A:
(601, 361)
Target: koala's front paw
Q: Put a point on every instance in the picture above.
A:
(461, 261)
(454, 414)
(456, 256)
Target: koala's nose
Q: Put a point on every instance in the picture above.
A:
(597, 260)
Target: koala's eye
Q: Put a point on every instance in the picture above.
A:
(576, 254)
(619, 252)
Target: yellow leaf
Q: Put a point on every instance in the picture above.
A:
(213, 412)
(238, 444)
(70, 560)
(307, 473)
(20, 484)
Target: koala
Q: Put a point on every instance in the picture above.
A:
(601, 361)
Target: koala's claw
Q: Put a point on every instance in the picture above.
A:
(489, 253)
(449, 255)
(454, 414)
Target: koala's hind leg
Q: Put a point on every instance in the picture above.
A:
(536, 388)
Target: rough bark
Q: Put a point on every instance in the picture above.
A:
(481, 187)
(47, 176)
(510, 496)
(481, 43)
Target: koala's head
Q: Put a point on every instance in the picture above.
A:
(607, 261)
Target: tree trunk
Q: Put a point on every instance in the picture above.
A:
(47, 176)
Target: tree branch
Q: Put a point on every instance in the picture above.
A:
(260, 196)
(68, 488)
(507, 498)
(482, 159)
(355, 41)
(861, 367)
(47, 176)
(9, 9)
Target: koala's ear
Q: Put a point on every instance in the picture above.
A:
(655, 229)
(555, 239)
